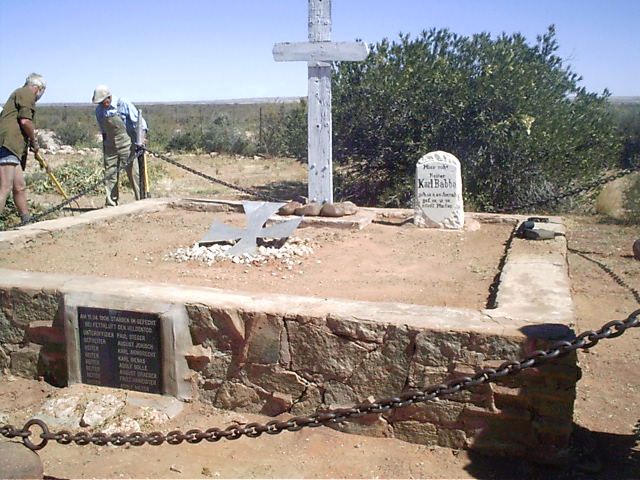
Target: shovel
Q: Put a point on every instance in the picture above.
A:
(53, 178)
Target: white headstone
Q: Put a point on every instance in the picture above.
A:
(438, 193)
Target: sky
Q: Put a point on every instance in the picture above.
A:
(199, 50)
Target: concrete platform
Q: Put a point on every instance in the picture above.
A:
(282, 354)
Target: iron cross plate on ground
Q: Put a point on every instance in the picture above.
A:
(257, 214)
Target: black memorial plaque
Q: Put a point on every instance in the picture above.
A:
(120, 348)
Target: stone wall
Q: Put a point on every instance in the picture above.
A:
(295, 355)
(300, 364)
(32, 342)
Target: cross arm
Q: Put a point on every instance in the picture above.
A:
(320, 51)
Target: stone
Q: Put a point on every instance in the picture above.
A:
(339, 209)
(18, 308)
(339, 395)
(452, 438)
(438, 192)
(235, 396)
(5, 360)
(43, 332)
(313, 349)
(217, 370)
(441, 412)
(265, 333)
(636, 249)
(24, 362)
(308, 402)
(98, 411)
(416, 432)
(64, 412)
(18, 461)
(276, 379)
(277, 403)
(312, 209)
(289, 208)
(198, 357)
(386, 369)
(373, 425)
(225, 327)
(356, 329)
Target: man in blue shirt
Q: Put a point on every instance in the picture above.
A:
(118, 121)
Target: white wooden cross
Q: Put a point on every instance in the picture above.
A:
(318, 52)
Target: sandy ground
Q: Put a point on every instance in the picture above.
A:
(606, 443)
(379, 263)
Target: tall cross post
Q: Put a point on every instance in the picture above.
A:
(318, 52)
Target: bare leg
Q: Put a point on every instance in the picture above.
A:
(6, 183)
(20, 193)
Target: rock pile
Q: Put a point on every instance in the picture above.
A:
(50, 143)
(286, 254)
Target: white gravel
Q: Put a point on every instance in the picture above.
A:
(288, 254)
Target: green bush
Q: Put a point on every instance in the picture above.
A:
(76, 134)
(511, 112)
(628, 122)
(285, 132)
(79, 174)
(184, 141)
(74, 176)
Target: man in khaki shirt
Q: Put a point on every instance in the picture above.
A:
(17, 137)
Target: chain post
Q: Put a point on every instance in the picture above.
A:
(142, 164)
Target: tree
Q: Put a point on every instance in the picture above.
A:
(511, 112)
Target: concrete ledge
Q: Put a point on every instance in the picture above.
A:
(28, 232)
(127, 291)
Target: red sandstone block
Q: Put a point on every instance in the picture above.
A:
(43, 332)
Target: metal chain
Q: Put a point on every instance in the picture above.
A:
(585, 340)
(569, 193)
(248, 191)
(36, 218)
(616, 278)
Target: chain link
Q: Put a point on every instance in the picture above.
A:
(248, 191)
(86, 190)
(584, 341)
(616, 278)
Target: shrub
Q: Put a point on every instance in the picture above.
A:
(511, 112)
(75, 134)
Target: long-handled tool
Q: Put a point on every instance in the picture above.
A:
(53, 178)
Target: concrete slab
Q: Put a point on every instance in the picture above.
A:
(24, 234)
